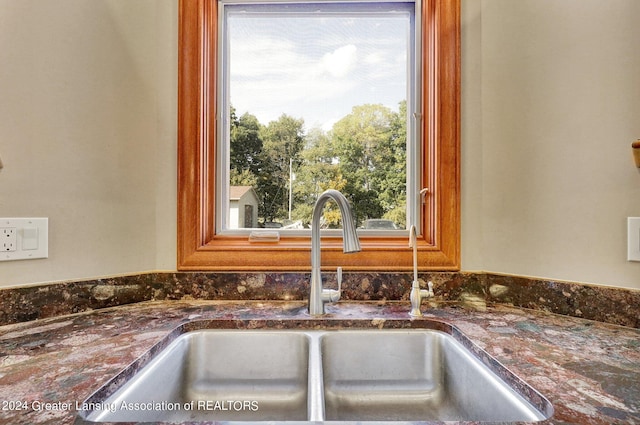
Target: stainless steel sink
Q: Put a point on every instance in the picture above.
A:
(217, 376)
(315, 375)
(413, 376)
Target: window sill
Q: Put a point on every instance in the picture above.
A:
(294, 254)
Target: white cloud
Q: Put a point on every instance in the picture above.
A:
(257, 58)
(374, 58)
(310, 74)
(301, 96)
(341, 61)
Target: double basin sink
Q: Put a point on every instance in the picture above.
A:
(303, 375)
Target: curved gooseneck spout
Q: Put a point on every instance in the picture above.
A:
(318, 296)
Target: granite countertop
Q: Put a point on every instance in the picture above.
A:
(589, 371)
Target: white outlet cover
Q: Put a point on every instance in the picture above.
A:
(37, 238)
(633, 238)
(8, 239)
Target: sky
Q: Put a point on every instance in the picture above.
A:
(316, 66)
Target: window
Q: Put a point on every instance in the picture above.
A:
(206, 239)
(313, 96)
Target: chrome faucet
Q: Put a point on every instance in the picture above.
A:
(417, 294)
(319, 296)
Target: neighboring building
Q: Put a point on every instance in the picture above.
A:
(243, 207)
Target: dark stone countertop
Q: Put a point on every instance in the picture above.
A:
(590, 371)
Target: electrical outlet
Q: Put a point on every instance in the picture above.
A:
(8, 239)
(24, 238)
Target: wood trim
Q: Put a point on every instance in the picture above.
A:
(199, 248)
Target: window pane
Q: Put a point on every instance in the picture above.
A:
(316, 97)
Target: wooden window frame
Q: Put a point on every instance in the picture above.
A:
(200, 248)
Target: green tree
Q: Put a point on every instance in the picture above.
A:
(316, 172)
(369, 145)
(364, 156)
(393, 180)
(283, 140)
(245, 150)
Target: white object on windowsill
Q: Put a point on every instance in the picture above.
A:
(264, 236)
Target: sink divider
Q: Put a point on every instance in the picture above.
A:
(315, 400)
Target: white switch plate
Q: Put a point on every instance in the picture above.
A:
(31, 238)
(633, 238)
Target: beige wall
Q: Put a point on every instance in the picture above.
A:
(87, 133)
(550, 106)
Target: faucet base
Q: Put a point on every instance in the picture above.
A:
(416, 297)
(415, 312)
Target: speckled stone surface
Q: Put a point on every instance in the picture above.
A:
(590, 371)
(606, 304)
(601, 303)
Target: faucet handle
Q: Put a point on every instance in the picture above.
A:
(333, 295)
(430, 290)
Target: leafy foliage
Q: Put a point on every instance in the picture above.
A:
(363, 156)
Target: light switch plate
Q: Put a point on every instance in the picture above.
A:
(31, 238)
(633, 238)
